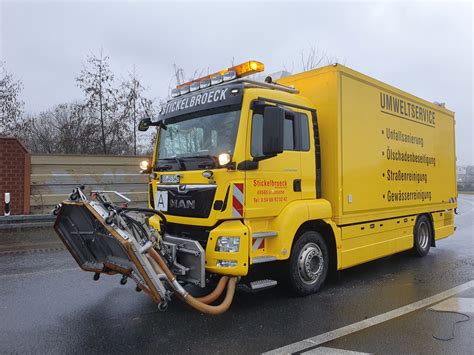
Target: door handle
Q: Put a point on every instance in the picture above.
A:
(297, 185)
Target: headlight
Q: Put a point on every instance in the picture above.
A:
(228, 244)
(224, 159)
(144, 165)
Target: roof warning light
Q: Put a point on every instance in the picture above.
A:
(235, 72)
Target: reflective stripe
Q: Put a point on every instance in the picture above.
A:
(238, 200)
(258, 243)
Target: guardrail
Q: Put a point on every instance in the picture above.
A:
(26, 221)
(28, 233)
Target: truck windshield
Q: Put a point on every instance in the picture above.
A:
(204, 136)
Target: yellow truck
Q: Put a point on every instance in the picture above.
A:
(314, 172)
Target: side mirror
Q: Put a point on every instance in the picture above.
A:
(144, 124)
(272, 140)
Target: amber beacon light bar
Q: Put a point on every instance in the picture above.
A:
(235, 72)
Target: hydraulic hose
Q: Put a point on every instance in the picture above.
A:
(189, 299)
(215, 310)
(144, 210)
(209, 298)
(214, 295)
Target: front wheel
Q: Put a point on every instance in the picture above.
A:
(423, 235)
(309, 263)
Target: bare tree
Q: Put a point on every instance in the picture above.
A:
(312, 58)
(97, 82)
(11, 106)
(65, 128)
(315, 58)
(74, 126)
(179, 76)
(106, 122)
(134, 104)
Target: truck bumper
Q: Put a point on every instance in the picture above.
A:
(224, 263)
(228, 263)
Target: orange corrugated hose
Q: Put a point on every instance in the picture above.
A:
(214, 295)
(201, 303)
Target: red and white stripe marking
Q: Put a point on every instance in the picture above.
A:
(238, 200)
(453, 200)
(258, 243)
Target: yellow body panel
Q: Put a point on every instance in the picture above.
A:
(443, 223)
(364, 122)
(285, 225)
(269, 189)
(368, 241)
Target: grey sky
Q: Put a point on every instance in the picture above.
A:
(424, 48)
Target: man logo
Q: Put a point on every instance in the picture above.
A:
(186, 204)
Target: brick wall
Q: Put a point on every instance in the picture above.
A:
(15, 165)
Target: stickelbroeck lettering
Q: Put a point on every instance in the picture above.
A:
(195, 100)
(269, 183)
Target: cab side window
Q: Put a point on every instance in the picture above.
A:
(257, 135)
(289, 133)
(304, 131)
(295, 135)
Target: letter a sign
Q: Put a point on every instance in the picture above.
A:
(161, 201)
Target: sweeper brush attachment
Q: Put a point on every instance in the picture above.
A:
(106, 239)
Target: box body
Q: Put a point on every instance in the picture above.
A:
(384, 153)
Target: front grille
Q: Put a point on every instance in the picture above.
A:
(189, 200)
(200, 234)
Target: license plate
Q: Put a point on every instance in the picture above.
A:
(169, 179)
(161, 201)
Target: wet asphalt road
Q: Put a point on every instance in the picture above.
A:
(47, 305)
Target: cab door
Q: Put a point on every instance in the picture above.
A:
(273, 182)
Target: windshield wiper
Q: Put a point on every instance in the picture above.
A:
(163, 167)
(208, 156)
(180, 162)
(205, 156)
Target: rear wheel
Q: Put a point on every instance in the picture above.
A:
(309, 263)
(423, 235)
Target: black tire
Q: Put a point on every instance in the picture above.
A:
(309, 264)
(422, 236)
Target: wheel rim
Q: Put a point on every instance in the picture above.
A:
(310, 263)
(423, 235)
